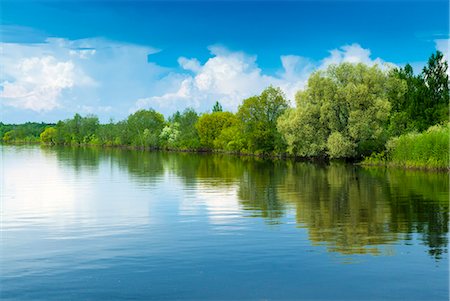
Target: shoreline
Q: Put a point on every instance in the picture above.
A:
(321, 160)
(405, 167)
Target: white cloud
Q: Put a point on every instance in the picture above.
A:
(66, 75)
(189, 64)
(111, 79)
(39, 82)
(229, 77)
(83, 53)
(353, 53)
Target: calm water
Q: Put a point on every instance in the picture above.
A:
(89, 224)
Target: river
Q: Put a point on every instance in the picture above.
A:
(112, 224)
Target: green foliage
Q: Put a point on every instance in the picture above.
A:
(187, 137)
(426, 100)
(346, 111)
(49, 135)
(78, 130)
(303, 131)
(257, 117)
(143, 128)
(429, 149)
(9, 136)
(210, 126)
(169, 135)
(347, 104)
(21, 133)
(436, 80)
(107, 134)
(217, 107)
(339, 146)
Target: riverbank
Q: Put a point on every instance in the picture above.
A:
(373, 161)
(427, 150)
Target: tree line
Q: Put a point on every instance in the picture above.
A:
(346, 111)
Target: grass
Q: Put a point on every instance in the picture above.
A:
(427, 150)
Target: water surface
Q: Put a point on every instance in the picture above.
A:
(93, 224)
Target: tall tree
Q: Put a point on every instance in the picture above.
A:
(426, 100)
(145, 127)
(342, 113)
(258, 117)
(436, 80)
(187, 137)
(217, 107)
(210, 126)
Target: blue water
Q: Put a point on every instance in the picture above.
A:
(93, 224)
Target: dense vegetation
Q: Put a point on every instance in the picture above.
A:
(347, 111)
(22, 133)
(429, 149)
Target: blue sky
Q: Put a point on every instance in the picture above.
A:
(111, 58)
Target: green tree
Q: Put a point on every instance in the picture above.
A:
(426, 100)
(257, 117)
(169, 135)
(49, 136)
(210, 127)
(144, 128)
(217, 107)
(436, 80)
(9, 136)
(188, 137)
(342, 113)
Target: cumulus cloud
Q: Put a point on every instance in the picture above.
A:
(353, 53)
(231, 76)
(189, 64)
(111, 78)
(67, 75)
(227, 77)
(34, 76)
(39, 82)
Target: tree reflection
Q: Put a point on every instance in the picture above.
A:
(258, 189)
(340, 206)
(419, 204)
(80, 158)
(349, 209)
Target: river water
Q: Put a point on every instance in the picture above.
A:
(110, 224)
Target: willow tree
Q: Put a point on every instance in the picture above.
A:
(342, 113)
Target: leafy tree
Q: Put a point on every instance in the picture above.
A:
(210, 126)
(342, 113)
(23, 133)
(426, 100)
(49, 135)
(144, 128)
(257, 117)
(9, 136)
(436, 80)
(217, 107)
(231, 139)
(169, 135)
(107, 133)
(188, 137)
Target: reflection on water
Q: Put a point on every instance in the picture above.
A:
(350, 209)
(133, 204)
